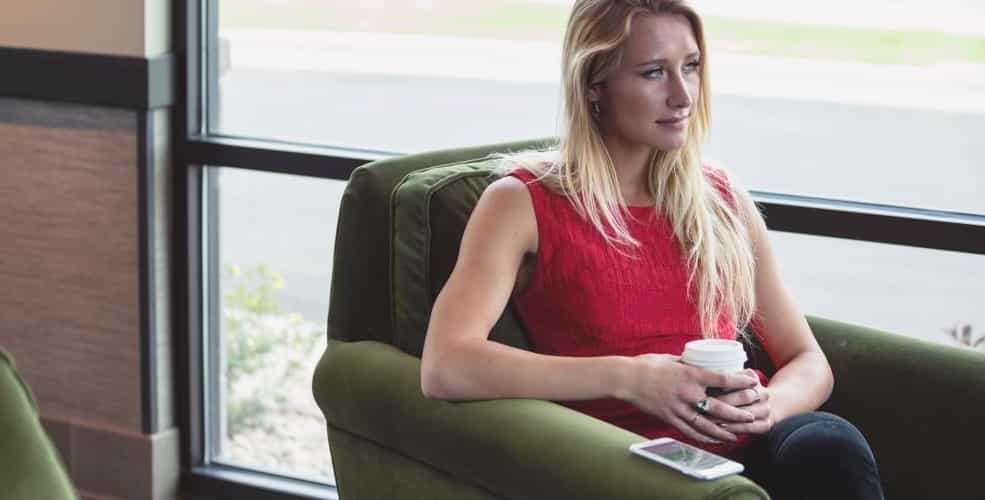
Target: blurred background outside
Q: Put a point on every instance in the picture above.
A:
(880, 101)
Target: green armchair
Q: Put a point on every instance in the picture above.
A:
(921, 406)
(29, 466)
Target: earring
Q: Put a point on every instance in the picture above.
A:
(595, 108)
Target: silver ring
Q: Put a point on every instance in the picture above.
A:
(702, 406)
(756, 390)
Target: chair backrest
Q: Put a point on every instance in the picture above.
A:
(403, 218)
(400, 227)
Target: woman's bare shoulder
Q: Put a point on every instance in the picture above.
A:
(508, 193)
(506, 209)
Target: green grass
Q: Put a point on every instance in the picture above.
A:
(512, 20)
(521, 20)
(843, 44)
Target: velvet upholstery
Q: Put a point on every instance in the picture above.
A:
(29, 465)
(400, 225)
(517, 449)
(359, 305)
(920, 405)
(430, 208)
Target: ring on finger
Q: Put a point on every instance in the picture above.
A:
(702, 406)
(756, 390)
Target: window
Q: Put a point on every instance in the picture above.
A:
(801, 94)
(926, 294)
(273, 262)
(834, 99)
(833, 112)
(368, 75)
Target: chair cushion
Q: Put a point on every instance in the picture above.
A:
(361, 281)
(430, 208)
(31, 467)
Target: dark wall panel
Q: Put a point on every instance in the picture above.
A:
(69, 258)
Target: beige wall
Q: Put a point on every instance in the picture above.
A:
(157, 27)
(116, 27)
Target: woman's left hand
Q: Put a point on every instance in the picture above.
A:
(755, 401)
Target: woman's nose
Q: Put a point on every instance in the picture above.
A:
(678, 95)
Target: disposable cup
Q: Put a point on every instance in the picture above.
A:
(717, 355)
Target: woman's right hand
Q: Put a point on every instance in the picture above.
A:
(664, 387)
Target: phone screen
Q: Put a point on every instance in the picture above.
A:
(686, 456)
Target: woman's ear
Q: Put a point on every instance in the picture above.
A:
(594, 92)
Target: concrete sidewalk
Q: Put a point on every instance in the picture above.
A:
(944, 87)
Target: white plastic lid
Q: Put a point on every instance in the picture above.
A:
(713, 351)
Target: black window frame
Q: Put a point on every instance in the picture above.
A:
(195, 148)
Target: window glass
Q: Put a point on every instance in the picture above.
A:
(881, 102)
(926, 294)
(273, 241)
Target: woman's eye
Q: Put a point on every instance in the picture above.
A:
(692, 66)
(653, 73)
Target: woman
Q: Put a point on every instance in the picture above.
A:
(621, 247)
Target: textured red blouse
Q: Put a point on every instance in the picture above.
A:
(585, 298)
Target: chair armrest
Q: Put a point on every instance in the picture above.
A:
(29, 465)
(920, 405)
(517, 449)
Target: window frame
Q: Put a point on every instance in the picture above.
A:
(195, 148)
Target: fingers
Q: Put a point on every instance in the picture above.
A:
(709, 428)
(763, 419)
(727, 381)
(759, 426)
(700, 428)
(705, 424)
(759, 410)
(684, 426)
(745, 397)
(728, 413)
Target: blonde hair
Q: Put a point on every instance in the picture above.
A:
(712, 236)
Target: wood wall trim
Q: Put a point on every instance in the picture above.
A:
(99, 80)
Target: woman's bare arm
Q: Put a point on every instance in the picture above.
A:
(460, 362)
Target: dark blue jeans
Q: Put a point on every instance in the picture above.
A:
(814, 456)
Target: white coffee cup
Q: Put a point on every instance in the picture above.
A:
(717, 355)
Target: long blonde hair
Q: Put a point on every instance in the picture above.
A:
(711, 235)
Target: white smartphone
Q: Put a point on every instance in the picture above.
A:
(687, 459)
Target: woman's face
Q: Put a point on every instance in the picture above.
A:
(646, 100)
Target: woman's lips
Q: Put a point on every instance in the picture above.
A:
(674, 123)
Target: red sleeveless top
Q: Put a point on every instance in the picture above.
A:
(585, 298)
